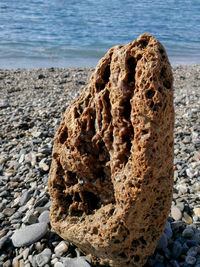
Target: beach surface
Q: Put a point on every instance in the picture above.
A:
(32, 103)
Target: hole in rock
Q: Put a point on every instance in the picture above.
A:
(106, 74)
(135, 243)
(63, 135)
(77, 197)
(95, 230)
(76, 114)
(77, 213)
(122, 255)
(92, 200)
(144, 132)
(144, 43)
(150, 93)
(136, 258)
(101, 174)
(167, 84)
(68, 200)
(141, 239)
(151, 104)
(131, 63)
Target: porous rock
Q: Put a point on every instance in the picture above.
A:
(111, 176)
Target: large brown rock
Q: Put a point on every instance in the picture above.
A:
(111, 176)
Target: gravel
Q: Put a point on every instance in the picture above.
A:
(32, 103)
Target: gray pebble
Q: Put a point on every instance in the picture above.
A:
(31, 219)
(44, 217)
(3, 240)
(25, 198)
(168, 230)
(44, 257)
(163, 242)
(177, 249)
(41, 201)
(78, 262)
(188, 233)
(190, 260)
(29, 234)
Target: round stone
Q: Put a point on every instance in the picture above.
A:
(188, 233)
(29, 234)
(176, 213)
(190, 260)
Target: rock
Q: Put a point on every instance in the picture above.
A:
(29, 234)
(44, 217)
(61, 248)
(190, 260)
(3, 241)
(8, 211)
(196, 211)
(168, 230)
(68, 262)
(44, 166)
(163, 242)
(176, 213)
(25, 198)
(44, 257)
(187, 219)
(7, 263)
(58, 264)
(112, 162)
(30, 219)
(25, 253)
(188, 233)
(177, 249)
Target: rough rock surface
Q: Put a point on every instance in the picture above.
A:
(111, 176)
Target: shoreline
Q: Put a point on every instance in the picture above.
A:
(32, 103)
(83, 62)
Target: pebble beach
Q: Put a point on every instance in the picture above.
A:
(32, 103)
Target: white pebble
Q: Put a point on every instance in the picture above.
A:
(61, 248)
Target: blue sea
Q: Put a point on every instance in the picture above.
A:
(70, 33)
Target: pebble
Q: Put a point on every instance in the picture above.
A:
(61, 248)
(187, 219)
(176, 213)
(163, 242)
(29, 234)
(168, 230)
(188, 233)
(25, 198)
(190, 260)
(44, 257)
(78, 262)
(196, 211)
(176, 249)
(44, 217)
(59, 264)
(3, 240)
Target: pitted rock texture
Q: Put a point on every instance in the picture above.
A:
(111, 176)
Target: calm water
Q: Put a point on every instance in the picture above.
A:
(64, 33)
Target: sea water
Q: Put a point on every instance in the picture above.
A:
(68, 33)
